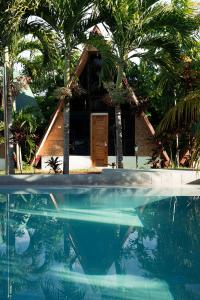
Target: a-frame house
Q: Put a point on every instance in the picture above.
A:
(92, 125)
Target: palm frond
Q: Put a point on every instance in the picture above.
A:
(24, 45)
(157, 42)
(47, 37)
(184, 113)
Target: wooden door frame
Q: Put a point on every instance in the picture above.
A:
(97, 114)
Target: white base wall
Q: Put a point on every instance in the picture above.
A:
(84, 162)
(75, 162)
(2, 164)
(130, 162)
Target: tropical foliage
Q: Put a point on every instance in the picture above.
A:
(151, 31)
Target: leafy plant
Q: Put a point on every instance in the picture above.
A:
(54, 164)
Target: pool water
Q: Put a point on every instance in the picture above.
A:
(99, 243)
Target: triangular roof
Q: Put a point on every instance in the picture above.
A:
(78, 71)
(90, 253)
(25, 97)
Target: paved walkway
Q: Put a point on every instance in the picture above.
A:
(124, 177)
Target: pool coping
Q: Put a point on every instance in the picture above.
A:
(138, 190)
(108, 177)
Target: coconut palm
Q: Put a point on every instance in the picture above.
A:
(149, 30)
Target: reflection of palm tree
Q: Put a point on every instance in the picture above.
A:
(45, 235)
(41, 243)
(93, 246)
(174, 256)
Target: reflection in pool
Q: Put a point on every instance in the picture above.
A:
(98, 243)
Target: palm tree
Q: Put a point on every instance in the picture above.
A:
(67, 21)
(5, 40)
(149, 30)
(8, 30)
(184, 117)
(11, 88)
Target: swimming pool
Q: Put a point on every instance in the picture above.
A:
(99, 243)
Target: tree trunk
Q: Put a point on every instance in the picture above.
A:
(118, 122)
(10, 249)
(19, 158)
(66, 113)
(18, 151)
(177, 138)
(7, 98)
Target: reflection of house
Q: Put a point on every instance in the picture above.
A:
(92, 124)
(25, 98)
(103, 266)
(98, 238)
(92, 241)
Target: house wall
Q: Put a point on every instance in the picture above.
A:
(130, 161)
(75, 162)
(53, 146)
(2, 151)
(144, 136)
(54, 143)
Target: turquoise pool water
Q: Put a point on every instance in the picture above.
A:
(99, 243)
